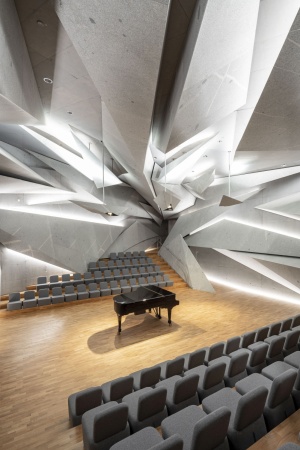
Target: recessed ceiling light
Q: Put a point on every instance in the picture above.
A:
(48, 80)
(69, 112)
(283, 165)
(110, 214)
(169, 208)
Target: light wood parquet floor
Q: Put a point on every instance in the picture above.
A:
(48, 354)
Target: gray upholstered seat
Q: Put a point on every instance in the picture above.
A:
(120, 255)
(92, 266)
(293, 359)
(262, 334)
(66, 280)
(152, 281)
(88, 278)
(116, 389)
(167, 280)
(102, 265)
(44, 297)
(119, 264)
(149, 261)
(125, 273)
(115, 288)
(41, 283)
(291, 341)
(214, 351)
(286, 325)
(142, 281)
(181, 392)
(274, 329)
(247, 339)
(77, 279)
(98, 276)
(133, 284)
(143, 271)
(14, 301)
(279, 404)
(82, 293)
(296, 321)
(246, 425)
(149, 439)
(257, 357)
(143, 262)
(104, 289)
(146, 407)
(171, 367)
(128, 254)
(232, 344)
(160, 281)
(54, 281)
(275, 351)
(278, 368)
(104, 426)
(117, 274)
(143, 253)
(158, 270)
(124, 286)
(235, 367)
(127, 263)
(211, 379)
(108, 276)
(82, 401)
(29, 299)
(194, 359)
(111, 265)
(198, 429)
(113, 255)
(94, 292)
(135, 262)
(135, 254)
(151, 270)
(147, 377)
(57, 295)
(289, 446)
(70, 294)
(134, 272)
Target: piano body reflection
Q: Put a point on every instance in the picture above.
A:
(144, 298)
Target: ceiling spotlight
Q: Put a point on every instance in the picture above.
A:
(283, 165)
(169, 208)
(69, 112)
(48, 80)
(110, 214)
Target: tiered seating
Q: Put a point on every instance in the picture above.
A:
(120, 274)
(264, 395)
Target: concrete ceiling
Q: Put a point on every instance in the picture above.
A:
(157, 101)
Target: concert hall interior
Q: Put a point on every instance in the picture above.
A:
(164, 126)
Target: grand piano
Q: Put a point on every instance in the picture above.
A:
(144, 298)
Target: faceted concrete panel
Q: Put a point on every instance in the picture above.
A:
(177, 254)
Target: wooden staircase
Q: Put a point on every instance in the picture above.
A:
(157, 260)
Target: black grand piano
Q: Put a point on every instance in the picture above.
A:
(144, 298)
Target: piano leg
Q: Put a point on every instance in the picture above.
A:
(119, 324)
(169, 316)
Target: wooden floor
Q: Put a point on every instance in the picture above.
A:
(48, 354)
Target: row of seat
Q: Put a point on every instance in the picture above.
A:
(206, 372)
(127, 255)
(97, 276)
(83, 291)
(119, 263)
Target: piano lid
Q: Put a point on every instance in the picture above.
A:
(143, 293)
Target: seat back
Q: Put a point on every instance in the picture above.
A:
(174, 367)
(43, 293)
(53, 278)
(41, 280)
(113, 284)
(210, 431)
(81, 288)
(92, 264)
(238, 363)
(142, 280)
(77, 276)
(88, 399)
(121, 255)
(274, 328)
(103, 285)
(121, 387)
(135, 262)
(65, 277)
(111, 264)
(123, 283)
(107, 273)
(125, 271)
(159, 278)
(134, 271)
(150, 280)
(185, 388)
(258, 354)
(116, 272)
(14, 297)
(28, 295)
(69, 289)
(135, 254)
(119, 262)
(276, 346)
(213, 375)
(232, 345)
(143, 261)
(132, 282)
(93, 286)
(110, 421)
(286, 324)
(262, 334)
(143, 253)
(151, 403)
(215, 351)
(56, 291)
(149, 376)
(250, 407)
(113, 255)
(98, 274)
(128, 255)
(247, 339)
(87, 275)
(281, 388)
(296, 321)
(196, 358)
(292, 339)
(102, 264)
